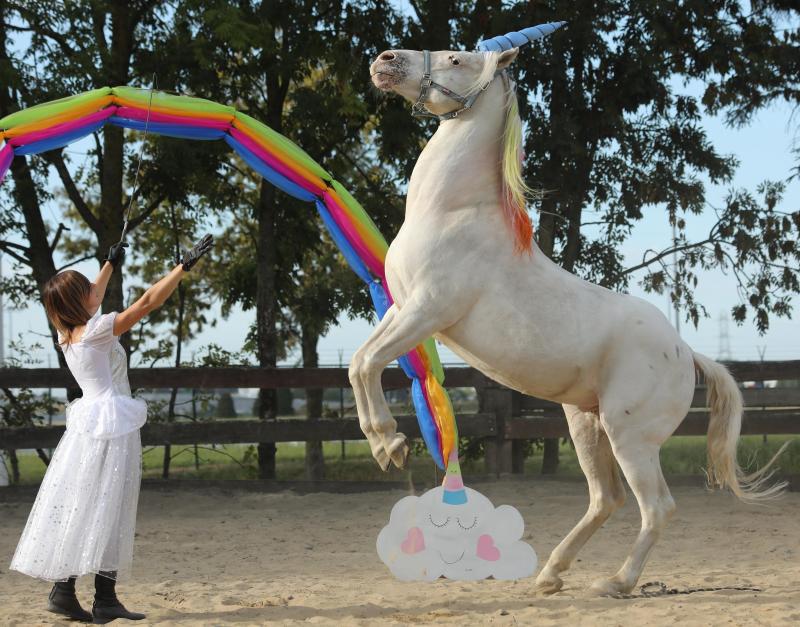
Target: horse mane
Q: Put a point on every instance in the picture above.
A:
(515, 191)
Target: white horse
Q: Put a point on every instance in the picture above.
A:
(464, 269)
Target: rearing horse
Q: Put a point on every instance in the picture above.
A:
(465, 269)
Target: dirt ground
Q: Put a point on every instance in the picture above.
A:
(210, 556)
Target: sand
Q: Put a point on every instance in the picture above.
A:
(209, 556)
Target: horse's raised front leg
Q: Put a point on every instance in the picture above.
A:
(360, 393)
(606, 493)
(406, 328)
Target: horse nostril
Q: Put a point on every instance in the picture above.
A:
(387, 56)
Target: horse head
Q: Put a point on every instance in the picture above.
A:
(446, 83)
(441, 84)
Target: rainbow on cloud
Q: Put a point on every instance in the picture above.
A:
(55, 124)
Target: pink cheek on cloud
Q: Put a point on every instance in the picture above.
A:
(487, 550)
(414, 542)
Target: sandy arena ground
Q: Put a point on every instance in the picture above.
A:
(212, 557)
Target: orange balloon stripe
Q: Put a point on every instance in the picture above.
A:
(374, 247)
(284, 158)
(66, 116)
(443, 414)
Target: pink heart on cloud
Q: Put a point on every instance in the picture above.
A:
(414, 542)
(487, 550)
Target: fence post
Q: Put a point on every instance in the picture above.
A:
(499, 452)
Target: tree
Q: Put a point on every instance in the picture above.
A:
(158, 243)
(77, 46)
(290, 65)
(21, 217)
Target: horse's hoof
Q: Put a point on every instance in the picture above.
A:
(609, 588)
(382, 457)
(547, 585)
(399, 450)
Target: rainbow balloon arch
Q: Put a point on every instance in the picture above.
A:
(280, 161)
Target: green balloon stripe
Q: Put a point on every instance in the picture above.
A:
(433, 358)
(286, 144)
(54, 107)
(170, 101)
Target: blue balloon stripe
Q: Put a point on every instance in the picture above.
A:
(350, 255)
(277, 179)
(51, 143)
(179, 131)
(379, 298)
(427, 426)
(405, 364)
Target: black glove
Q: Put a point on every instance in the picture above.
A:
(190, 257)
(116, 254)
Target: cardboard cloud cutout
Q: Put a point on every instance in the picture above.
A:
(455, 532)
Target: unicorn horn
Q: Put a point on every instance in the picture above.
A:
(453, 484)
(518, 38)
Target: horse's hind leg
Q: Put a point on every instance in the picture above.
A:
(606, 493)
(637, 455)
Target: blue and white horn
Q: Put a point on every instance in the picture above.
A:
(518, 38)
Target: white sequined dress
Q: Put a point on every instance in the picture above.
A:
(84, 516)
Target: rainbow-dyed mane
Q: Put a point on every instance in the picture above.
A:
(56, 124)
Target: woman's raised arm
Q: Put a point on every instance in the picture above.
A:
(157, 294)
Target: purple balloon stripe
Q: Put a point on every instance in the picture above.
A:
(6, 157)
(273, 162)
(345, 224)
(63, 128)
(132, 113)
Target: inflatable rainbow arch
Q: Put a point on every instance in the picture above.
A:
(55, 124)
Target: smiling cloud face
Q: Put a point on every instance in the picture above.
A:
(427, 538)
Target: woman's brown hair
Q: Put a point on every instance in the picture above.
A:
(64, 297)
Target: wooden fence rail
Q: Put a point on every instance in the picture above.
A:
(505, 419)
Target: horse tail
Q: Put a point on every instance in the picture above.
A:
(724, 425)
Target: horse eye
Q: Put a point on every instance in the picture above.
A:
(454, 61)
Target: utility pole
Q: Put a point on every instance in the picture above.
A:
(724, 349)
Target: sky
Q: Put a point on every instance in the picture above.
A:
(763, 149)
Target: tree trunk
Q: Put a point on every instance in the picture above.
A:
(315, 458)
(40, 255)
(266, 319)
(12, 458)
(545, 241)
(112, 175)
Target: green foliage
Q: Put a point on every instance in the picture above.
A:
(23, 407)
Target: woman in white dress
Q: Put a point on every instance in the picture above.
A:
(84, 516)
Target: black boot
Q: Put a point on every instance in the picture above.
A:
(62, 600)
(106, 604)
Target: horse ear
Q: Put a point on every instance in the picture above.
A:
(507, 58)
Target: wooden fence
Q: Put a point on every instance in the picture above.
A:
(505, 418)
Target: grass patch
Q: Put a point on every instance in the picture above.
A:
(684, 455)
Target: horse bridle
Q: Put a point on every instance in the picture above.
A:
(419, 110)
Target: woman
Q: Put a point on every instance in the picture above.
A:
(84, 516)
